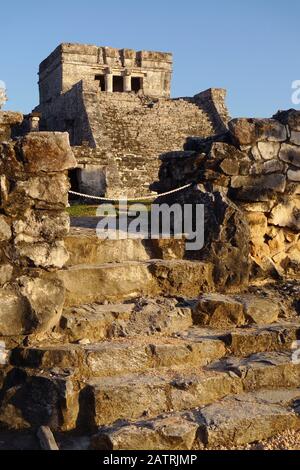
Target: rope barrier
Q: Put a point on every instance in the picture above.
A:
(141, 198)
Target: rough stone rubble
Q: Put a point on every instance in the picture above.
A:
(33, 224)
(256, 164)
(139, 344)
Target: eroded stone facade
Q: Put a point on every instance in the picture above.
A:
(33, 223)
(256, 165)
(116, 106)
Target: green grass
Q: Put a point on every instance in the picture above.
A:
(85, 210)
(82, 210)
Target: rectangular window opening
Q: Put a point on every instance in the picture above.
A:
(118, 85)
(136, 84)
(101, 80)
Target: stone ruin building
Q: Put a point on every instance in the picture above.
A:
(138, 343)
(116, 106)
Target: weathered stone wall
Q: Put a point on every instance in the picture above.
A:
(257, 165)
(128, 132)
(7, 121)
(33, 223)
(70, 63)
(117, 101)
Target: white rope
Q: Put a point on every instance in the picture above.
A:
(141, 198)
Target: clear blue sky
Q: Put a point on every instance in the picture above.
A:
(249, 47)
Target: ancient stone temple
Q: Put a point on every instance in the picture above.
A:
(138, 343)
(116, 106)
(134, 343)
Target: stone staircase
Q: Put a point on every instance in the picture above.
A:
(130, 367)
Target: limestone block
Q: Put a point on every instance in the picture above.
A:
(270, 130)
(274, 182)
(44, 191)
(244, 166)
(39, 398)
(290, 118)
(287, 214)
(240, 419)
(226, 236)
(243, 131)
(288, 261)
(230, 166)
(258, 224)
(219, 311)
(291, 237)
(290, 154)
(186, 277)
(6, 271)
(248, 131)
(268, 150)
(264, 168)
(295, 137)
(256, 153)
(258, 310)
(5, 229)
(7, 120)
(44, 255)
(171, 432)
(293, 175)
(3, 189)
(294, 256)
(14, 312)
(47, 151)
(45, 298)
(41, 226)
(258, 206)
(273, 166)
(277, 243)
(222, 150)
(10, 118)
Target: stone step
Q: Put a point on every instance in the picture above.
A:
(65, 400)
(227, 311)
(95, 322)
(231, 422)
(119, 357)
(32, 397)
(85, 247)
(177, 389)
(165, 316)
(89, 249)
(133, 396)
(60, 399)
(281, 336)
(262, 370)
(120, 281)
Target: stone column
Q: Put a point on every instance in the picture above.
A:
(34, 122)
(109, 82)
(127, 81)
